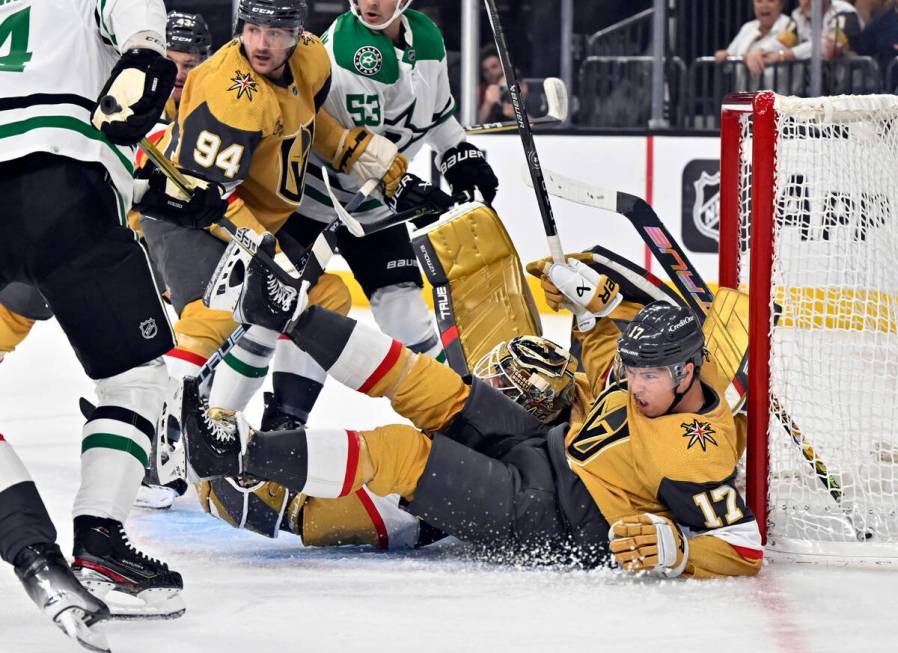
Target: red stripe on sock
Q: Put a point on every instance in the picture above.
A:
(283, 336)
(352, 462)
(749, 554)
(103, 570)
(2, 439)
(383, 537)
(385, 366)
(185, 355)
(449, 336)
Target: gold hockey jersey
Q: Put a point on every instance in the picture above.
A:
(238, 128)
(681, 465)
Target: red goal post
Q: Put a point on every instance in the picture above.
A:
(809, 226)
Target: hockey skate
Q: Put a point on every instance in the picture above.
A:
(213, 439)
(159, 497)
(133, 585)
(54, 589)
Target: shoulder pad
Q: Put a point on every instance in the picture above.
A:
(362, 51)
(426, 37)
(233, 92)
(311, 60)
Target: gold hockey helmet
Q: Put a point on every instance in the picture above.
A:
(534, 372)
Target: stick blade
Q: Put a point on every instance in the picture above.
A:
(574, 190)
(556, 98)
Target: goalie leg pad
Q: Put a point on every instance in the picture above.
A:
(116, 440)
(360, 518)
(480, 293)
(258, 507)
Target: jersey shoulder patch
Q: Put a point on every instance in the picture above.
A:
(310, 63)
(233, 92)
(362, 51)
(428, 41)
(687, 446)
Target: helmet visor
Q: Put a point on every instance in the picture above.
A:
(268, 38)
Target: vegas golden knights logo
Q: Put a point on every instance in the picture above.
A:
(603, 428)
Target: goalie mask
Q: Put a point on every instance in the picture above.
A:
(401, 6)
(534, 372)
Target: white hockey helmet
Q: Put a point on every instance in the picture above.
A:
(401, 6)
(533, 371)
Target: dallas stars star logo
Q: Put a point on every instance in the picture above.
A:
(244, 84)
(700, 433)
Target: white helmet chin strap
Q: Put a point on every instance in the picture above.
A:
(401, 6)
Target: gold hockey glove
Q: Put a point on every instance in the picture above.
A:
(649, 542)
(366, 155)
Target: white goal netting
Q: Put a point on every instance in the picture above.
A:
(833, 427)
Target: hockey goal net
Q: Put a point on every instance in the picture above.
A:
(809, 226)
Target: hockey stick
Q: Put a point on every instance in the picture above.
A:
(556, 99)
(526, 134)
(685, 277)
(358, 228)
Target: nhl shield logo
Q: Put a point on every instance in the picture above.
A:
(148, 329)
(368, 60)
(706, 207)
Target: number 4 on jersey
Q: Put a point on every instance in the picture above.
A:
(15, 30)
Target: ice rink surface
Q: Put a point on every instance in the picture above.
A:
(246, 593)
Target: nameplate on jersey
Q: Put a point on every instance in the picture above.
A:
(605, 426)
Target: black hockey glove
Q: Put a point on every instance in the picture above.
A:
(156, 196)
(465, 168)
(137, 89)
(414, 193)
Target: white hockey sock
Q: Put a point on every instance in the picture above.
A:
(181, 363)
(401, 313)
(115, 442)
(242, 372)
(12, 470)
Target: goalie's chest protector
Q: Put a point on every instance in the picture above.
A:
(624, 457)
(401, 94)
(55, 56)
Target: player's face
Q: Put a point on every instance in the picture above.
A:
(377, 12)
(652, 389)
(767, 11)
(185, 63)
(267, 48)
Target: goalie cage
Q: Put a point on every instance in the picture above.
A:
(809, 194)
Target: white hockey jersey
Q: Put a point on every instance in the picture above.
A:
(402, 94)
(55, 57)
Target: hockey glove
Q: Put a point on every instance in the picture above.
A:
(366, 155)
(465, 168)
(140, 84)
(412, 192)
(577, 287)
(649, 542)
(158, 197)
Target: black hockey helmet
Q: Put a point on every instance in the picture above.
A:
(286, 14)
(663, 335)
(188, 33)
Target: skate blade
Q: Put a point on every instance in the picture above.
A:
(71, 622)
(155, 498)
(154, 603)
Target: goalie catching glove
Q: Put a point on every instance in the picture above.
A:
(366, 155)
(159, 197)
(139, 84)
(651, 543)
(577, 287)
(465, 168)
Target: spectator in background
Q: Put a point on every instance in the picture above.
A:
(879, 38)
(495, 101)
(840, 24)
(757, 35)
